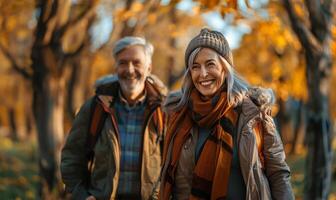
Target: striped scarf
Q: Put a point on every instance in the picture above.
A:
(211, 173)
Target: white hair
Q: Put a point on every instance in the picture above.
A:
(236, 86)
(131, 41)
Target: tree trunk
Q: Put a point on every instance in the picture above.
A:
(78, 85)
(315, 39)
(12, 123)
(48, 109)
(172, 64)
(29, 123)
(283, 122)
(55, 33)
(318, 129)
(299, 124)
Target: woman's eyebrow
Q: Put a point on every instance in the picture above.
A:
(210, 60)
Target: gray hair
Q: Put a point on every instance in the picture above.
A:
(236, 89)
(131, 41)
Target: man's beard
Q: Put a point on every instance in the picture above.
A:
(131, 82)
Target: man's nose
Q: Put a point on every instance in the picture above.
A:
(130, 67)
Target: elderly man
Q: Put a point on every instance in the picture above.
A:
(114, 148)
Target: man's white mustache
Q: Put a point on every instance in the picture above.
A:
(133, 76)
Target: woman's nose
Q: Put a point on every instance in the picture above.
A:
(204, 71)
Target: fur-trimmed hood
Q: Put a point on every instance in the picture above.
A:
(263, 98)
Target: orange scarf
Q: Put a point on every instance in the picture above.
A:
(211, 174)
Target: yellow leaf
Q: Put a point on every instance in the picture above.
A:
(136, 7)
(225, 10)
(210, 4)
(232, 4)
(151, 18)
(298, 9)
(11, 23)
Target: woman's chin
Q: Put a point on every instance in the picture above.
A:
(206, 94)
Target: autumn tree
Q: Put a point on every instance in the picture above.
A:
(270, 56)
(15, 40)
(58, 37)
(314, 34)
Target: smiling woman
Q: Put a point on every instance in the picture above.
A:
(221, 142)
(207, 72)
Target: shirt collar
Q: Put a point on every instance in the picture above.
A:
(140, 101)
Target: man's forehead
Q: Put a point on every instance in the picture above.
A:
(131, 51)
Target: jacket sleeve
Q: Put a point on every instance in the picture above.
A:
(74, 163)
(276, 168)
(156, 189)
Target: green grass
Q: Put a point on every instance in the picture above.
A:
(19, 171)
(297, 166)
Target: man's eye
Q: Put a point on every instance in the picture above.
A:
(136, 63)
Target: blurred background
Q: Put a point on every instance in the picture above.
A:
(52, 52)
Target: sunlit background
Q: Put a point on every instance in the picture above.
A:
(52, 52)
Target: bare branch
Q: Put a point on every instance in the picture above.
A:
(86, 39)
(47, 20)
(307, 39)
(78, 50)
(329, 5)
(86, 15)
(314, 9)
(319, 16)
(14, 64)
(79, 28)
(148, 4)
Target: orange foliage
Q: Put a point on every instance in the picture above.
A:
(270, 56)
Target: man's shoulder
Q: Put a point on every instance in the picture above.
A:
(107, 85)
(158, 84)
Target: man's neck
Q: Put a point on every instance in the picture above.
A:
(133, 98)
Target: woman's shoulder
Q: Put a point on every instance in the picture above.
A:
(258, 99)
(172, 99)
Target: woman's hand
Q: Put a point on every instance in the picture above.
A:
(91, 198)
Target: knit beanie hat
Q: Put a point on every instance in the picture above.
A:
(210, 39)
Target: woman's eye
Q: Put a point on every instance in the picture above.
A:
(212, 65)
(195, 67)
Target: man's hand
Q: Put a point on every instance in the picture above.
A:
(91, 198)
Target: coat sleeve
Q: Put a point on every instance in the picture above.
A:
(156, 189)
(74, 163)
(276, 168)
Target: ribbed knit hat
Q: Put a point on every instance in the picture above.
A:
(210, 39)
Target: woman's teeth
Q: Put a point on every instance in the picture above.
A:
(205, 83)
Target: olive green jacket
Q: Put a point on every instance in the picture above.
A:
(103, 179)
